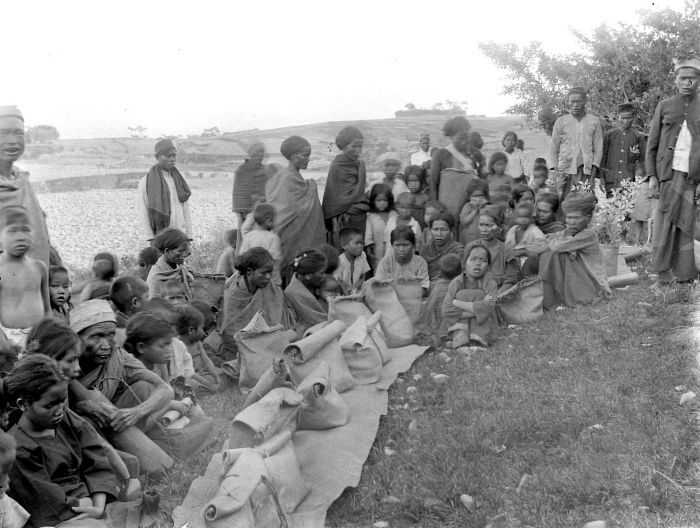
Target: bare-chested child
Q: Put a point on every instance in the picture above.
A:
(24, 282)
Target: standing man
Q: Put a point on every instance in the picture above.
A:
(422, 157)
(15, 188)
(673, 166)
(249, 186)
(163, 194)
(577, 145)
(623, 151)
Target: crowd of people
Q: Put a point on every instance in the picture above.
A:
(100, 380)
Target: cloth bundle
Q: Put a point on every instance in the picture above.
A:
(521, 303)
(395, 323)
(347, 308)
(260, 486)
(323, 407)
(276, 376)
(364, 349)
(258, 344)
(320, 343)
(410, 295)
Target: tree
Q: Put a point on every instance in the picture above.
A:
(626, 63)
(42, 134)
(138, 131)
(410, 107)
(210, 132)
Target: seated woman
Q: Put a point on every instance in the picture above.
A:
(175, 248)
(62, 471)
(469, 308)
(309, 309)
(504, 267)
(150, 339)
(442, 243)
(547, 210)
(571, 263)
(251, 292)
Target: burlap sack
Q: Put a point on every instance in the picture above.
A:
(276, 376)
(275, 412)
(320, 343)
(361, 352)
(410, 294)
(347, 308)
(258, 345)
(323, 407)
(395, 323)
(183, 443)
(521, 303)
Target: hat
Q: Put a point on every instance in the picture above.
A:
(583, 203)
(626, 107)
(90, 313)
(11, 111)
(389, 157)
(686, 63)
(164, 145)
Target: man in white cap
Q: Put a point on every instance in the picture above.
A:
(15, 189)
(673, 167)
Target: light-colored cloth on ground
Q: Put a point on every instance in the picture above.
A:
(389, 269)
(576, 142)
(259, 237)
(180, 217)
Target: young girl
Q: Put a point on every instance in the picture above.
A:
(415, 181)
(58, 342)
(381, 202)
(520, 194)
(175, 248)
(442, 243)
(404, 203)
(402, 262)
(150, 339)
(477, 198)
(191, 332)
(59, 293)
(497, 171)
(104, 266)
(469, 308)
(301, 295)
(522, 235)
(62, 471)
(251, 292)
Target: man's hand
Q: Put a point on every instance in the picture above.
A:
(654, 187)
(100, 412)
(125, 418)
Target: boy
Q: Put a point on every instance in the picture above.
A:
(539, 179)
(190, 331)
(402, 262)
(571, 263)
(128, 295)
(173, 291)
(225, 264)
(391, 165)
(404, 204)
(147, 258)
(352, 263)
(24, 282)
(262, 235)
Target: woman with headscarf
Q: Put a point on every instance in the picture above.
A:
(517, 164)
(344, 201)
(299, 219)
(441, 243)
(454, 166)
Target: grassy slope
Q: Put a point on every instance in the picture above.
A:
(536, 393)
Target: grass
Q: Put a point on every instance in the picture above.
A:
(573, 419)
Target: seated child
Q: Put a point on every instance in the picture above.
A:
(540, 174)
(13, 515)
(175, 248)
(497, 172)
(128, 295)
(301, 294)
(571, 262)
(104, 266)
(150, 339)
(547, 210)
(415, 181)
(262, 235)
(190, 331)
(211, 343)
(404, 202)
(59, 293)
(173, 291)
(431, 315)
(62, 471)
(225, 264)
(352, 263)
(477, 198)
(332, 257)
(147, 258)
(469, 308)
(329, 288)
(519, 194)
(24, 300)
(392, 179)
(381, 208)
(402, 262)
(433, 209)
(522, 236)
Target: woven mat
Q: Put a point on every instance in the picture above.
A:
(330, 460)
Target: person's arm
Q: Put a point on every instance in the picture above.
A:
(653, 149)
(188, 219)
(570, 244)
(208, 364)
(45, 296)
(142, 210)
(606, 152)
(467, 214)
(555, 145)
(161, 395)
(642, 151)
(90, 403)
(86, 292)
(423, 276)
(597, 149)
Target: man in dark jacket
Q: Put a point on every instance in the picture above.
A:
(673, 166)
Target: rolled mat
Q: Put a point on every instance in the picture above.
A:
(619, 281)
(322, 408)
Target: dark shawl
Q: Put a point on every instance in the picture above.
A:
(249, 179)
(551, 227)
(432, 254)
(158, 196)
(345, 187)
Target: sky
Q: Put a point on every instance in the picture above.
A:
(94, 69)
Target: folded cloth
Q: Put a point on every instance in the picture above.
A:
(16, 336)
